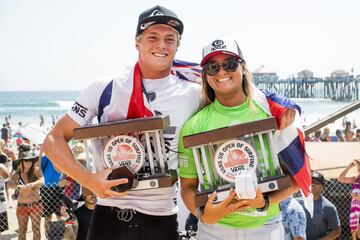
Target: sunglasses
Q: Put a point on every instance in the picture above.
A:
(27, 160)
(229, 65)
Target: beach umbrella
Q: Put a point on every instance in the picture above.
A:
(34, 133)
(17, 134)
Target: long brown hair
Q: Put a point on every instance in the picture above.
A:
(208, 94)
(31, 174)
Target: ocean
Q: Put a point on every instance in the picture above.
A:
(27, 106)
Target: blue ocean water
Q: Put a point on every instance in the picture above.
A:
(27, 106)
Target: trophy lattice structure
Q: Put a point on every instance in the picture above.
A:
(136, 143)
(216, 174)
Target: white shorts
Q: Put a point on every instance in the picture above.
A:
(272, 230)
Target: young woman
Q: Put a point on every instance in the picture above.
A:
(355, 196)
(27, 181)
(229, 98)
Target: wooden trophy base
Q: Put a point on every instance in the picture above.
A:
(266, 185)
(159, 180)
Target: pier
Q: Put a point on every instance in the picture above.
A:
(339, 86)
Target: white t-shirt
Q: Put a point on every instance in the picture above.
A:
(174, 97)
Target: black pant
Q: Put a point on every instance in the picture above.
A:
(105, 224)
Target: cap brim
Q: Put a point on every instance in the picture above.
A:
(210, 55)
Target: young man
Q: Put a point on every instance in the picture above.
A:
(83, 214)
(324, 224)
(152, 212)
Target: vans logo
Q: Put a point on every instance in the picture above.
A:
(218, 44)
(79, 109)
(234, 156)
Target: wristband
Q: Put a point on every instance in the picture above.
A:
(199, 212)
(266, 206)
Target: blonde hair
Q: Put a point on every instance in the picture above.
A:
(208, 94)
(2, 145)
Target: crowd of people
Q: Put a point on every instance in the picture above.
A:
(349, 133)
(151, 87)
(40, 190)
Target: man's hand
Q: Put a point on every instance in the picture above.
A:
(287, 118)
(214, 212)
(101, 187)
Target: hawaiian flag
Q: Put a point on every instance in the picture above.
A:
(289, 141)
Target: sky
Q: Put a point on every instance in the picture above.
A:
(66, 44)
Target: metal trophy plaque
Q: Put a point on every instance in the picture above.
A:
(134, 148)
(221, 154)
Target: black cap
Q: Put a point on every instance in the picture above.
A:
(319, 177)
(159, 15)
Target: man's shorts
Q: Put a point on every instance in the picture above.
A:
(4, 222)
(51, 200)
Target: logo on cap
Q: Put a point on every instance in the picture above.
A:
(124, 150)
(145, 25)
(234, 156)
(156, 13)
(218, 44)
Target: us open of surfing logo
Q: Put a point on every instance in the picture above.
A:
(233, 156)
(124, 150)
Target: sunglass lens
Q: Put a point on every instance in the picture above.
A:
(212, 68)
(230, 65)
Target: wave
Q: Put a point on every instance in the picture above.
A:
(37, 104)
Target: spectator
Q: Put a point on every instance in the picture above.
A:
(8, 152)
(27, 180)
(355, 196)
(339, 135)
(325, 137)
(5, 134)
(348, 133)
(317, 136)
(357, 136)
(84, 213)
(325, 222)
(4, 175)
(50, 193)
(294, 219)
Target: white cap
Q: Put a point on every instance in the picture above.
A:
(221, 45)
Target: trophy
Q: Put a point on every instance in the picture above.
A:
(134, 149)
(223, 154)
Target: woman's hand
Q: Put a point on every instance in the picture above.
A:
(214, 212)
(287, 118)
(24, 189)
(354, 163)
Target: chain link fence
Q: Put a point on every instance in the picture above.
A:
(339, 194)
(52, 217)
